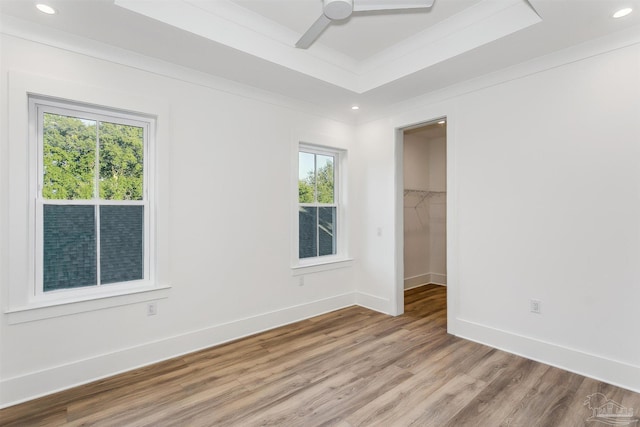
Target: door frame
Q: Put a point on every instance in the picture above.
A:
(451, 218)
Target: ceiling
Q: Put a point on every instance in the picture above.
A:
(372, 59)
(358, 37)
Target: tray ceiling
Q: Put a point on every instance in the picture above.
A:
(374, 60)
(359, 54)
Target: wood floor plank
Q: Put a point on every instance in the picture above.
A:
(540, 405)
(351, 367)
(365, 389)
(226, 407)
(445, 403)
(290, 411)
(504, 392)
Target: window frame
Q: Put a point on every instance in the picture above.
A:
(340, 258)
(17, 222)
(38, 106)
(316, 204)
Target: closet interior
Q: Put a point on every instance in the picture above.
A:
(425, 196)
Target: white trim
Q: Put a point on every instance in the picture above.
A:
(316, 151)
(600, 368)
(416, 281)
(374, 303)
(32, 385)
(453, 299)
(22, 173)
(428, 114)
(60, 308)
(38, 107)
(222, 22)
(322, 145)
(438, 279)
(481, 24)
(300, 270)
(576, 53)
(433, 114)
(28, 31)
(425, 279)
(397, 294)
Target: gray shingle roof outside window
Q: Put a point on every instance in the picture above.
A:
(121, 243)
(69, 259)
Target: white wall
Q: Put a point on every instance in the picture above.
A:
(228, 229)
(417, 173)
(543, 185)
(543, 204)
(438, 211)
(373, 189)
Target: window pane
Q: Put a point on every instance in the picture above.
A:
(69, 258)
(121, 243)
(327, 231)
(306, 177)
(307, 234)
(325, 178)
(121, 161)
(69, 157)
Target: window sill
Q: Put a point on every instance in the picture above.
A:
(51, 309)
(317, 267)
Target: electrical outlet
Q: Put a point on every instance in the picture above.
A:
(535, 306)
(152, 309)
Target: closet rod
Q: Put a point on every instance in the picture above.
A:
(422, 195)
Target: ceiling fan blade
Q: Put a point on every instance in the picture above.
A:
(367, 5)
(313, 32)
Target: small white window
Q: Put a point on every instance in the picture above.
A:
(318, 202)
(92, 204)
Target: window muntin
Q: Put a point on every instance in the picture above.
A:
(317, 203)
(92, 205)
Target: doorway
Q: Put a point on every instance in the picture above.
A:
(424, 209)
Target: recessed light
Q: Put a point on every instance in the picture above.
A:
(45, 8)
(441, 122)
(355, 107)
(622, 12)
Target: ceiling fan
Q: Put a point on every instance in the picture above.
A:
(335, 10)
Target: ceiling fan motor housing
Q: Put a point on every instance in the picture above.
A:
(338, 9)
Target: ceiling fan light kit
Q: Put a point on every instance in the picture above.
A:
(336, 10)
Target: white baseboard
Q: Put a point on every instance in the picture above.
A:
(374, 303)
(438, 279)
(425, 279)
(36, 384)
(602, 369)
(415, 281)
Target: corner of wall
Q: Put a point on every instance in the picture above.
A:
(374, 303)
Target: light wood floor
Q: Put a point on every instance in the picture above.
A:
(352, 367)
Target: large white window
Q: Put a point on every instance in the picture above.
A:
(93, 216)
(318, 202)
